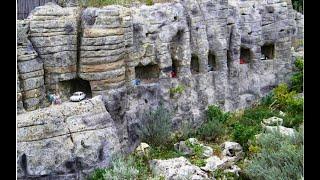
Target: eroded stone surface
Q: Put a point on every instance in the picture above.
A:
(109, 47)
(65, 138)
(177, 168)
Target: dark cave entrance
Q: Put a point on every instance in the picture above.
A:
(267, 51)
(245, 55)
(67, 88)
(148, 73)
(176, 52)
(194, 66)
(212, 62)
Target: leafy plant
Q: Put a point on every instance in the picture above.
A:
(121, 168)
(268, 99)
(281, 157)
(213, 127)
(298, 5)
(197, 158)
(185, 131)
(98, 174)
(214, 112)
(176, 90)
(197, 161)
(149, 2)
(156, 127)
(297, 78)
(160, 152)
(243, 133)
(196, 148)
(248, 124)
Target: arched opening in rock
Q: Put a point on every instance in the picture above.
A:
(212, 62)
(176, 53)
(148, 73)
(267, 51)
(245, 55)
(194, 66)
(67, 88)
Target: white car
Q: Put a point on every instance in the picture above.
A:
(78, 96)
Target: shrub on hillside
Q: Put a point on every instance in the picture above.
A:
(121, 168)
(156, 127)
(289, 102)
(249, 124)
(213, 127)
(297, 78)
(279, 157)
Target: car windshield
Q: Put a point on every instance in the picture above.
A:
(76, 94)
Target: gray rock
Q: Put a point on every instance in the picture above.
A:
(176, 168)
(58, 138)
(273, 121)
(232, 151)
(213, 163)
(280, 129)
(187, 147)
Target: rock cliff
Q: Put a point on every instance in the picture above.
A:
(228, 53)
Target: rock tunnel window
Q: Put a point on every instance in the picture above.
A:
(267, 51)
(245, 56)
(148, 73)
(176, 52)
(194, 66)
(67, 88)
(212, 62)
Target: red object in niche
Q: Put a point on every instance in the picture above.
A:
(242, 61)
(173, 74)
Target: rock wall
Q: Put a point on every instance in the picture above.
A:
(53, 31)
(214, 49)
(65, 139)
(31, 90)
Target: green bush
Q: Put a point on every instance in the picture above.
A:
(97, 174)
(280, 157)
(298, 5)
(281, 98)
(176, 90)
(185, 131)
(249, 124)
(213, 127)
(149, 2)
(268, 99)
(161, 152)
(156, 127)
(242, 134)
(121, 168)
(214, 112)
(297, 78)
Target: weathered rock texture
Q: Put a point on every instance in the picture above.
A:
(53, 31)
(201, 41)
(176, 168)
(30, 84)
(65, 138)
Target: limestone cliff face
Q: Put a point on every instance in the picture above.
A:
(228, 53)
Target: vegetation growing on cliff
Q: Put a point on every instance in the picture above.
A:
(279, 157)
(271, 155)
